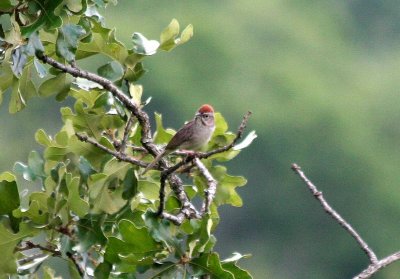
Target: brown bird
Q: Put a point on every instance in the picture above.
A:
(192, 136)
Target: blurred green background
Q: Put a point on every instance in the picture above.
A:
(322, 79)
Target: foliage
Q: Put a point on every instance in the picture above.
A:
(92, 210)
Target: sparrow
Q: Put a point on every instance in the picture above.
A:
(192, 136)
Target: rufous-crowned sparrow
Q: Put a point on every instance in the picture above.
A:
(192, 136)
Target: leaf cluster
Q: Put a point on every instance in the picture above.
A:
(91, 209)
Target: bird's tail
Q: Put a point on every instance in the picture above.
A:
(154, 162)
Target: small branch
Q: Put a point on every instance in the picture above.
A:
(142, 117)
(30, 245)
(375, 267)
(75, 262)
(239, 134)
(162, 195)
(328, 209)
(212, 186)
(31, 258)
(127, 130)
(116, 154)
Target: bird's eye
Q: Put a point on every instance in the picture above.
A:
(205, 115)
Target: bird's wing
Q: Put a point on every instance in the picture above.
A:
(183, 135)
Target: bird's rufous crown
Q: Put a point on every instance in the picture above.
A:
(206, 109)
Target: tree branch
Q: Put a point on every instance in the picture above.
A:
(212, 186)
(30, 245)
(119, 155)
(74, 260)
(376, 264)
(187, 208)
(375, 267)
(328, 209)
(127, 130)
(142, 117)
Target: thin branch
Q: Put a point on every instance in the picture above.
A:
(239, 134)
(212, 186)
(116, 154)
(328, 209)
(142, 117)
(30, 245)
(375, 267)
(127, 130)
(74, 260)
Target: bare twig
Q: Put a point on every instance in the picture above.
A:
(127, 130)
(74, 260)
(375, 267)
(328, 209)
(376, 264)
(239, 134)
(30, 245)
(212, 186)
(142, 117)
(116, 154)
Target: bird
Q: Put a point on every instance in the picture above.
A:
(192, 136)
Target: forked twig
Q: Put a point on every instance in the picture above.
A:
(375, 264)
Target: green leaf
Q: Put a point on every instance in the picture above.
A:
(22, 89)
(143, 46)
(19, 60)
(79, 206)
(226, 193)
(187, 34)
(130, 184)
(47, 19)
(149, 190)
(103, 270)
(85, 168)
(162, 136)
(112, 71)
(230, 265)
(67, 41)
(8, 242)
(133, 74)
(136, 92)
(102, 197)
(167, 37)
(34, 169)
(17, 102)
(9, 196)
(209, 263)
(59, 85)
(89, 231)
(202, 240)
(134, 241)
(41, 70)
(38, 209)
(162, 231)
(73, 270)
(221, 126)
(7, 5)
(103, 41)
(6, 76)
(42, 138)
(76, 6)
(49, 273)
